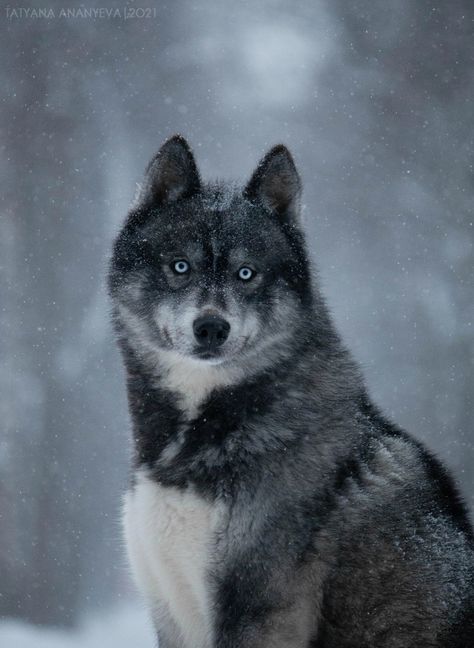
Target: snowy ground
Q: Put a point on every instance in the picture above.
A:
(126, 627)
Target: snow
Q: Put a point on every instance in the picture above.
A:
(122, 627)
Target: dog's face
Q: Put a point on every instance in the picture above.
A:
(211, 274)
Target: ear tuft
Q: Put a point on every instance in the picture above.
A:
(171, 175)
(276, 184)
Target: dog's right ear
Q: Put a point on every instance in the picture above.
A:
(171, 175)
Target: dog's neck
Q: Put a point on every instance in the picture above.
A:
(192, 381)
(184, 409)
(189, 381)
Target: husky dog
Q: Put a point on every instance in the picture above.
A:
(272, 505)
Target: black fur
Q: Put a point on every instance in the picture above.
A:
(342, 530)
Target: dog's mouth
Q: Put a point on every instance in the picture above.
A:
(209, 355)
(220, 354)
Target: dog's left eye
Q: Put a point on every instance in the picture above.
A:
(245, 273)
(181, 267)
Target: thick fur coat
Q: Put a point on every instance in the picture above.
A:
(271, 504)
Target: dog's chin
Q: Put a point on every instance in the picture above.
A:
(210, 357)
(231, 355)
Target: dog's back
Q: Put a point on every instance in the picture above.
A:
(271, 503)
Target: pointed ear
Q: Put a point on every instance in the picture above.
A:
(172, 174)
(276, 184)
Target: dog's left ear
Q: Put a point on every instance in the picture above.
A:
(276, 184)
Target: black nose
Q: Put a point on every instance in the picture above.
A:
(211, 331)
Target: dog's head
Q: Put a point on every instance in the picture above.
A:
(212, 273)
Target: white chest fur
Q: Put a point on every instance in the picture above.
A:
(170, 537)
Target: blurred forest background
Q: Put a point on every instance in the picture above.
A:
(376, 101)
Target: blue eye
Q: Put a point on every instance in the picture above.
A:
(181, 267)
(246, 273)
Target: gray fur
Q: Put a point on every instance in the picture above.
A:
(318, 522)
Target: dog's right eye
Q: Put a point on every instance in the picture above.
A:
(245, 273)
(180, 267)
